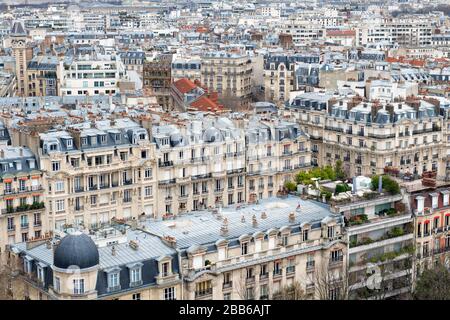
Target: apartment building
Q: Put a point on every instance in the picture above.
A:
(23, 215)
(91, 74)
(230, 75)
(368, 137)
(134, 60)
(416, 33)
(116, 263)
(199, 166)
(157, 80)
(429, 204)
(186, 67)
(379, 232)
(255, 252)
(279, 79)
(42, 76)
(276, 152)
(251, 252)
(96, 171)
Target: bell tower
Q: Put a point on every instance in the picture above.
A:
(19, 46)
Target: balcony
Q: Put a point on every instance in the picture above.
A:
(270, 185)
(203, 293)
(136, 283)
(336, 261)
(24, 225)
(24, 207)
(11, 228)
(227, 285)
(127, 182)
(22, 190)
(277, 273)
(127, 199)
(38, 223)
(163, 164)
(165, 182)
(93, 187)
(287, 168)
(264, 276)
(290, 269)
(114, 288)
(78, 189)
(250, 280)
(310, 265)
(287, 153)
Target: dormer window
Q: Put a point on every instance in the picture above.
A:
(102, 139)
(69, 143)
(53, 147)
(84, 141)
(434, 200)
(113, 279)
(135, 274)
(244, 248)
(142, 136)
(31, 163)
(93, 140)
(18, 165)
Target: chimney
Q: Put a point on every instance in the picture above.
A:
(380, 184)
(112, 122)
(113, 251)
(263, 215)
(224, 227)
(242, 219)
(2, 153)
(292, 217)
(254, 221)
(21, 152)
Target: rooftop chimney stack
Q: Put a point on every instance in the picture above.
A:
(254, 221)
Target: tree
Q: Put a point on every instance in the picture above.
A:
(343, 187)
(291, 186)
(330, 284)
(433, 284)
(290, 292)
(340, 174)
(388, 184)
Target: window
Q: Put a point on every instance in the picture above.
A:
(165, 270)
(148, 173)
(59, 205)
(113, 281)
(56, 284)
(148, 191)
(333, 293)
(135, 276)
(41, 274)
(305, 234)
(59, 186)
(55, 165)
(169, 293)
(244, 248)
(78, 286)
(331, 232)
(136, 296)
(227, 296)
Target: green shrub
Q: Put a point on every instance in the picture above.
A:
(291, 186)
(343, 187)
(388, 184)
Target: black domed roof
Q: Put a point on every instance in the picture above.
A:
(76, 249)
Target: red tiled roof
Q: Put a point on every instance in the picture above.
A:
(184, 85)
(205, 104)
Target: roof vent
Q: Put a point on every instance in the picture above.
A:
(134, 244)
(292, 217)
(242, 219)
(113, 251)
(263, 215)
(254, 221)
(224, 227)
